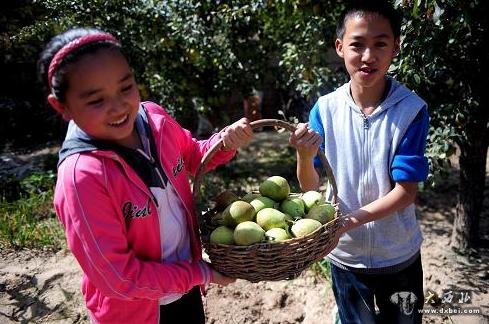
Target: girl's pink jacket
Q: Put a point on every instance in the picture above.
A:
(112, 227)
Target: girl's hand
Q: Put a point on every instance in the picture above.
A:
(306, 141)
(220, 279)
(237, 135)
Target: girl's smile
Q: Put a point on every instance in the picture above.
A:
(102, 97)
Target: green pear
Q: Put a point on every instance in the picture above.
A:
(277, 235)
(312, 198)
(238, 212)
(247, 233)
(222, 235)
(250, 196)
(293, 206)
(305, 226)
(322, 213)
(275, 187)
(269, 218)
(262, 202)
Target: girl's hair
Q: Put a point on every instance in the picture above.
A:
(58, 85)
(360, 7)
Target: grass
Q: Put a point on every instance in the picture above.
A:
(30, 221)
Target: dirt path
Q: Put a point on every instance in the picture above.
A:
(42, 287)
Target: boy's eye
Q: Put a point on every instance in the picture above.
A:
(127, 88)
(356, 44)
(381, 44)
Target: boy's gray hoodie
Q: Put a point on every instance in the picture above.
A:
(360, 150)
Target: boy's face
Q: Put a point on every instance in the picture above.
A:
(102, 96)
(368, 46)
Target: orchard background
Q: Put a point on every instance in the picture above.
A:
(210, 62)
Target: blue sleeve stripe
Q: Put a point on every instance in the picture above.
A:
(316, 124)
(409, 162)
(412, 168)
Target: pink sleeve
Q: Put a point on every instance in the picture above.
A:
(193, 150)
(96, 236)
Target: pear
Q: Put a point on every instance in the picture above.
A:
(312, 198)
(322, 213)
(277, 235)
(222, 235)
(269, 218)
(275, 187)
(262, 202)
(293, 206)
(250, 196)
(247, 233)
(238, 212)
(305, 226)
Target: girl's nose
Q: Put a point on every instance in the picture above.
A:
(118, 104)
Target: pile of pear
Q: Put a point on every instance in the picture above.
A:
(271, 215)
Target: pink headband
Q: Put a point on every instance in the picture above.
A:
(75, 44)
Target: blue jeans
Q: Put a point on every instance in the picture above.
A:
(398, 296)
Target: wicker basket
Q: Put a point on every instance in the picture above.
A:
(267, 261)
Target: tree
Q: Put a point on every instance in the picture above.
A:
(444, 57)
(188, 55)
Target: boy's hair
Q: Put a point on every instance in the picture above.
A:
(59, 83)
(381, 7)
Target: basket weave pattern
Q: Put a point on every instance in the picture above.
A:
(267, 261)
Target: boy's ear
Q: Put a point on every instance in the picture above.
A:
(59, 107)
(338, 44)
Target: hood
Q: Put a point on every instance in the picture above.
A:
(396, 93)
(77, 141)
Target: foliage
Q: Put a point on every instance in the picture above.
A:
(186, 52)
(442, 58)
(30, 221)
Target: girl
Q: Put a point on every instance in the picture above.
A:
(122, 193)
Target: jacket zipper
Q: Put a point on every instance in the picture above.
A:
(366, 183)
(144, 189)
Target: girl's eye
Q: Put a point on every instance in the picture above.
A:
(96, 102)
(381, 44)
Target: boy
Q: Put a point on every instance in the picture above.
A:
(374, 133)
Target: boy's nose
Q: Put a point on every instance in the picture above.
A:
(368, 55)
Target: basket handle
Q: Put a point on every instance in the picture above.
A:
(254, 125)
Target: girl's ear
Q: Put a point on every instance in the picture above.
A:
(338, 44)
(59, 107)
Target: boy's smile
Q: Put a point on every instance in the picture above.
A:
(368, 46)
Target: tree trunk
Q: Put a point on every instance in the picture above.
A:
(472, 161)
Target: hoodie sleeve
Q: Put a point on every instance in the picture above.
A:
(96, 235)
(193, 150)
(409, 163)
(316, 124)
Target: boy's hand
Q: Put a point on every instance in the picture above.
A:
(306, 141)
(237, 135)
(220, 279)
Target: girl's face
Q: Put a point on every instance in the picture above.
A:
(102, 97)
(368, 47)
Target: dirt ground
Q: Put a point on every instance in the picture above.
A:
(44, 287)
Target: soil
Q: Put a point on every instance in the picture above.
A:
(40, 286)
